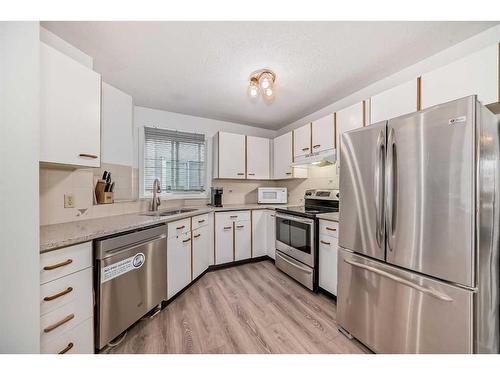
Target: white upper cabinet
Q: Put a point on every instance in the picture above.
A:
(302, 141)
(258, 163)
(283, 158)
(323, 134)
(348, 119)
(229, 155)
(396, 101)
(476, 73)
(70, 111)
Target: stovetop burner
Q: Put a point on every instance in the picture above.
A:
(316, 202)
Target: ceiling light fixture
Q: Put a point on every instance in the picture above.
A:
(262, 81)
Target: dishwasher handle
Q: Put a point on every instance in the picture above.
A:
(130, 246)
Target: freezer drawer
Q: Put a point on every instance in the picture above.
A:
(395, 311)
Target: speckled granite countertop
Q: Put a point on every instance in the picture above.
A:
(333, 216)
(65, 234)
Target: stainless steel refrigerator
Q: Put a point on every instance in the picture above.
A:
(418, 268)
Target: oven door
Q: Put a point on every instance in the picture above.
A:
(295, 237)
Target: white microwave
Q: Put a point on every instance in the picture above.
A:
(272, 195)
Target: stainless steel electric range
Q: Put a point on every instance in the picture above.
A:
(297, 235)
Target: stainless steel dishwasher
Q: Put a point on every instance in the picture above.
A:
(131, 279)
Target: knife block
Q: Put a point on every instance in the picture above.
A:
(101, 196)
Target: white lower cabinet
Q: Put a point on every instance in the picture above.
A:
(200, 250)
(242, 240)
(178, 262)
(271, 233)
(328, 249)
(259, 233)
(66, 300)
(223, 240)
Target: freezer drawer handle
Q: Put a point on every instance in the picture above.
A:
(59, 323)
(67, 348)
(284, 257)
(431, 292)
(54, 266)
(60, 294)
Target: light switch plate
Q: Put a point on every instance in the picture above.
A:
(69, 201)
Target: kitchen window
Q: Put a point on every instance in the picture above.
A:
(177, 159)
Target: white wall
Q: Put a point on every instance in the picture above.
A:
(19, 153)
(116, 126)
(61, 45)
(464, 48)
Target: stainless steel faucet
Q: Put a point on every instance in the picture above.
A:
(155, 203)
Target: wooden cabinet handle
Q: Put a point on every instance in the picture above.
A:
(181, 227)
(201, 221)
(186, 240)
(305, 149)
(316, 146)
(197, 235)
(332, 229)
(325, 243)
(54, 266)
(241, 174)
(59, 323)
(240, 226)
(92, 156)
(67, 348)
(60, 294)
(226, 228)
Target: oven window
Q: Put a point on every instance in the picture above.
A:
(300, 236)
(283, 230)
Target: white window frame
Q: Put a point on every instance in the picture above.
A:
(175, 195)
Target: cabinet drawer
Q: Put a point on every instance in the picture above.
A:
(79, 340)
(62, 262)
(199, 221)
(56, 322)
(328, 228)
(179, 227)
(60, 292)
(233, 215)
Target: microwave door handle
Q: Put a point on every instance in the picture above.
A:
(379, 187)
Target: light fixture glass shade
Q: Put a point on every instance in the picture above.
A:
(269, 93)
(253, 90)
(265, 81)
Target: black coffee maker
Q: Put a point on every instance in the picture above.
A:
(216, 196)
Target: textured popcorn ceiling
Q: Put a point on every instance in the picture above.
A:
(202, 68)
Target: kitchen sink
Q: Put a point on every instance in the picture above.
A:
(169, 212)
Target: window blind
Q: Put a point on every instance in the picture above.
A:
(176, 158)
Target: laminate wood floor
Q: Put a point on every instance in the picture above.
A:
(251, 308)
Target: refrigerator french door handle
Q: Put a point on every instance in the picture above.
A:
(431, 292)
(389, 186)
(379, 188)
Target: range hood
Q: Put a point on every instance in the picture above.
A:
(319, 159)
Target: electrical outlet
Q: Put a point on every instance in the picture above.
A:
(69, 201)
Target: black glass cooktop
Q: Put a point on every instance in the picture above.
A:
(306, 211)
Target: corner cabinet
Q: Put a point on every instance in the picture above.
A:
(70, 111)
(283, 159)
(475, 74)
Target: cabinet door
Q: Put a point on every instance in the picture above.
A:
(323, 134)
(258, 164)
(282, 159)
(394, 102)
(201, 249)
(302, 141)
(178, 263)
(259, 233)
(271, 233)
(223, 240)
(476, 73)
(242, 238)
(70, 111)
(231, 155)
(348, 119)
(328, 263)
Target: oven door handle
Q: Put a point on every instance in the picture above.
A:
(292, 262)
(295, 218)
